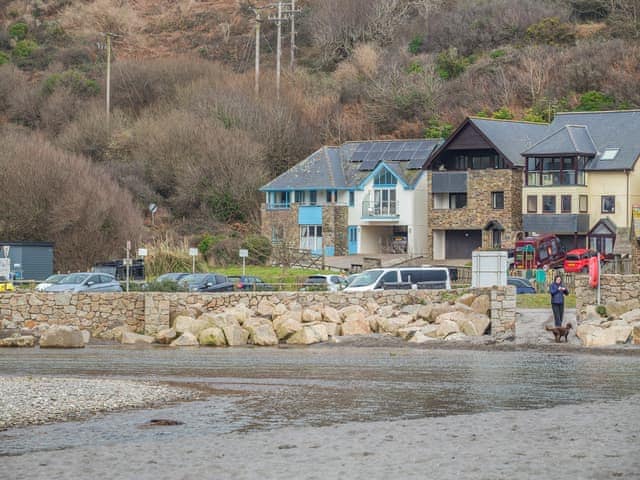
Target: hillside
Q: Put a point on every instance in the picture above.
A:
(188, 133)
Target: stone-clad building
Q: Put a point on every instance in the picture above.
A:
(475, 187)
(361, 197)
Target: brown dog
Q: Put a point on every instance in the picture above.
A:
(559, 332)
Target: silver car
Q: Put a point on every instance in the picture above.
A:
(86, 282)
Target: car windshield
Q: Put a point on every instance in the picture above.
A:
(170, 277)
(57, 278)
(573, 257)
(194, 278)
(315, 280)
(365, 279)
(75, 278)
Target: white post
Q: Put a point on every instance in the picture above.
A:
(127, 263)
(243, 267)
(193, 264)
(109, 80)
(599, 273)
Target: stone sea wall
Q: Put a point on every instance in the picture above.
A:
(149, 313)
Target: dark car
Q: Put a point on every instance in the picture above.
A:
(522, 285)
(250, 283)
(207, 282)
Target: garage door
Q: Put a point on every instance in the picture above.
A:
(460, 243)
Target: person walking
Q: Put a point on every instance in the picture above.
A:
(558, 291)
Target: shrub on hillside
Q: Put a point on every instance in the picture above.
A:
(259, 249)
(551, 31)
(50, 195)
(18, 31)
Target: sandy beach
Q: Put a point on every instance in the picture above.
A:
(590, 441)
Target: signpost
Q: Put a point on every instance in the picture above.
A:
(5, 263)
(244, 253)
(193, 252)
(153, 208)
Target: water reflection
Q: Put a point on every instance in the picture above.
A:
(270, 388)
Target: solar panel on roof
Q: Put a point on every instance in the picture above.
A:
(364, 147)
(358, 156)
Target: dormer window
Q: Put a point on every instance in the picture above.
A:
(385, 178)
(609, 154)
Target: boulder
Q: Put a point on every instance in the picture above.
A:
(20, 341)
(466, 299)
(333, 329)
(173, 316)
(631, 316)
(481, 322)
(455, 316)
(456, 337)
(212, 336)
(321, 331)
(262, 335)
(593, 336)
(585, 330)
(440, 308)
(447, 327)
(280, 310)
(61, 337)
(386, 311)
(617, 309)
(166, 336)
(131, 338)
(235, 335)
(86, 336)
(482, 304)
(410, 310)
(346, 311)
(372, 307)
(307, 335)
(240, 314)
(592, 316)
(310, 316)
(255, 322)
(392, 325)
(621, 332)
(356, 324)
(424, 312)
(331, 315)
(374, 323)
(184, 323)
(114, 333)
(266, 308)
(187, 339)
(420, 337)
(407, 332)
(285, 327)
(636, 333)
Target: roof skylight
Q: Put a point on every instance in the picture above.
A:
(609, 154)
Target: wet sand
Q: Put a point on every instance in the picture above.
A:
(597, 440)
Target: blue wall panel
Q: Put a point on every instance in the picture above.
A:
(310, 215)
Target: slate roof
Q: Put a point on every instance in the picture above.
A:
(334, 168)
(609, 130)
(510, 137)
(570, 140)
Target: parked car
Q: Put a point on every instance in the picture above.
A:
(577, 260)
(171, 277)
(401, 279)
(522, 285)
(6, 285)
(331, 283)
(51, 280)
(86, 282)
(207, 282)
(250, 283)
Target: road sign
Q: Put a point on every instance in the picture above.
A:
(244, 253)
(153, 208)
(5, 250)
(127, 262)
(142, 252)
(193, 252)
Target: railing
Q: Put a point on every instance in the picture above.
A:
(279, 206)
(287, 256)
(380, 209)
(622, 266)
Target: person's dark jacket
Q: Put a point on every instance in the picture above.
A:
(557, 295)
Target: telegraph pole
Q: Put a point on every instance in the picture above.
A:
(293, 35)
(257, 85)
(279, 50)
(109, 35)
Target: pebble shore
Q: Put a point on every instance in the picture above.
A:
(37, 400)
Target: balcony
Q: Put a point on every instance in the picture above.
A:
(449, 182)
(279, 206)
(382, 210)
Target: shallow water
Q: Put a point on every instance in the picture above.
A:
(264, 388)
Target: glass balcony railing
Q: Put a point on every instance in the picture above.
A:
(278, 206)
(380, 209)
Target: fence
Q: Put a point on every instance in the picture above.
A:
(283, 255)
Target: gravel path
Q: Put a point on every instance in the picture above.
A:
(37, 400)
(588, 441)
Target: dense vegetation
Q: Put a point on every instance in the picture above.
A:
(187, 132)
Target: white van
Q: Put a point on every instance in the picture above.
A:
(401, 279)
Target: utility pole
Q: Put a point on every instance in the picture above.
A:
(258, 21)
(279, 53)
(292, 14)
(109, 35)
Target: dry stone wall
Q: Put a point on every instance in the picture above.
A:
(150, 313)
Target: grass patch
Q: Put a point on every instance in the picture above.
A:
(542, 300)
(272, 274)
